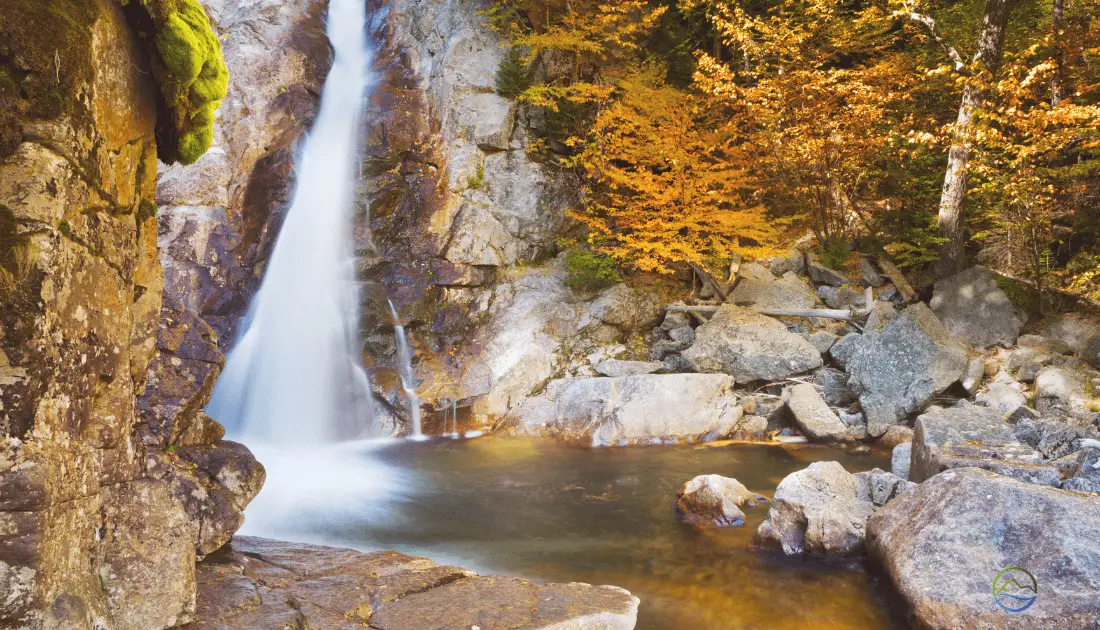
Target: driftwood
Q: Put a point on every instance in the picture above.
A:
(891, 271)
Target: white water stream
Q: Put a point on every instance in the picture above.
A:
(295, 376)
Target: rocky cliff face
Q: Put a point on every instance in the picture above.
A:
(95, 526)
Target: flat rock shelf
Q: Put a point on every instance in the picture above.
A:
(262, 583)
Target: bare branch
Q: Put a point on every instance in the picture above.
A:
(930, 24)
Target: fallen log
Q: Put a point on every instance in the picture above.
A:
(824, 313)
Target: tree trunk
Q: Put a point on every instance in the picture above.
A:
(1056, 21)
(990, 48)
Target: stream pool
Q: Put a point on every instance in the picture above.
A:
(549, 512)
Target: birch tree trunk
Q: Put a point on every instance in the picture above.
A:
(990, 49)
(1056, 20)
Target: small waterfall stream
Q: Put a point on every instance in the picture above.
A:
(295, 376)
(405, 370)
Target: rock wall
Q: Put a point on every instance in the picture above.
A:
(97, 529)
(218, 219)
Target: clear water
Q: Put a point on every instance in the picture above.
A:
(553, 513)
(294, 376)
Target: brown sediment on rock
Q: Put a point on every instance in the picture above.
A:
(259, 583)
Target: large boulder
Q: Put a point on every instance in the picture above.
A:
(1002, 398)
(258, 583)
(823, 509)
(624, 308)
(715, 500)
(976, 310)
(974, 436)
(814, 417)
(945, 546)
(1071, 391)
(750, 346)
(898, 367)
(641, 409)
(764, 291)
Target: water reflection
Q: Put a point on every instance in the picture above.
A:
(553, 513)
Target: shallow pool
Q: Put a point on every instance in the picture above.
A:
(554, 513)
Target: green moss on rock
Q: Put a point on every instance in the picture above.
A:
(192, 76)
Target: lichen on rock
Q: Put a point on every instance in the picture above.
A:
(190, 72)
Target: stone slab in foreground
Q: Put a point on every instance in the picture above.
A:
(260, 583)
(943, 544)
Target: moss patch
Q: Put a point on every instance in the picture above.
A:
(190, 72)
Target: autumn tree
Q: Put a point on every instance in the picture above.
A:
(663, 186)
(814, 92)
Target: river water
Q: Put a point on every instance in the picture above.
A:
(549, 512)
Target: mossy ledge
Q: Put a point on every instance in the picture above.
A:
(189, 69)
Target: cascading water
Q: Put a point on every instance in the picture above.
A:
(404, 367)
(295, 377)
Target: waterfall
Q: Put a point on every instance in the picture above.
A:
(295, 376)
(404, 369)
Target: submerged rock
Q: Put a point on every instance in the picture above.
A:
(944, 543)
(750, 346)
(715, 500)
(974, 437)
(976, 310)
(898, 368)
(258, 583)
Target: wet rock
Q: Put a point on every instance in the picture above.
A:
(935, 544)
(821, 274)
(715, 500)
(974, 437)
(816, 510)
(639, 409)
(973, 308)
(257, 583)
(616, 367)
(750, 347)
(1002, 398)
(814, 417)
(753, 425)
(900, 459)
(763, 291)
(896, 435)
(898, 368)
